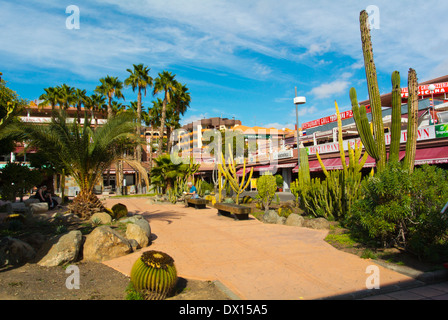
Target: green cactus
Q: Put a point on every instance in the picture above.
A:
(119, 210)
(154, 275)
(411, 142)
(229, 172)
(374, 142)
(394, 149)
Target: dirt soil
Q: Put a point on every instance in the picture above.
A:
(97, 282)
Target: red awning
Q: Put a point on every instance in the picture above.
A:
(431, 155)
(240, 171)
(313, 164)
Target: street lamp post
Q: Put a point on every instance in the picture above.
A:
(432, 104)
(297, 101)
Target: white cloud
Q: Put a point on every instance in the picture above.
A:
(326, 90)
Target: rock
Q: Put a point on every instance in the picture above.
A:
(137, 233)
(270, 217)
(102, 217)
(103, 244)
(14, 251)
(30, 201)
(294, 220)
(61, 250)
(132, 219)
(16, 207)
(316, 223)
(38, 207)
(281, 220)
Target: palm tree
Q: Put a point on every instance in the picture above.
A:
(164, 82)
(66, 96)
(139, 79)
(83, 152)
(110, 87)
(79, 98)
(179, 104)
(50, 97)
(95, 103)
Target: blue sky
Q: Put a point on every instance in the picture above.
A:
(239, 59)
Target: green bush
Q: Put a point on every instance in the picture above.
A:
(266, 185)
(403, 209)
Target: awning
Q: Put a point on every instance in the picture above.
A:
(431, 155)
(265, 168)
(287, 165)
(240, 171)
(313, 164)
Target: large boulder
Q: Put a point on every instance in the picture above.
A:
(101, 217)
(294, 220)
(15, 252)
(61, 250)
(38, 207)
(138, 229)
(316, 223)
(103, 244)
(270, 216)
(135, 232)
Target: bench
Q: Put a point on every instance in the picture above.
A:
(227, 209)
(197, 203)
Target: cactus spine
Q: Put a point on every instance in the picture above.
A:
(229, 172)
(154, 275)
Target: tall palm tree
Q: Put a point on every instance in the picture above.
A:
(79, 99)
(164, 82)
(179, 103)
(94, 103)
(66, 96)
(83, 152)
(139, 79)
(110, 87)
(50, 97)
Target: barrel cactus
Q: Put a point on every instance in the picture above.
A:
(119, 211)
(154, 275)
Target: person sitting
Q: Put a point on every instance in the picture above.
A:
(192, 194)
(44, 196)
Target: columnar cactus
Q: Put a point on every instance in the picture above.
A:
(229, 172)
(374, 142)
(411, 142)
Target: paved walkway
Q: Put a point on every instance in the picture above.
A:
(255, 261)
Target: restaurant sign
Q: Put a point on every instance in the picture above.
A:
(424, 133)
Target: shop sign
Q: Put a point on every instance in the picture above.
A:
(424, 133)
(441, 130)
(424, 90)
(283, 154)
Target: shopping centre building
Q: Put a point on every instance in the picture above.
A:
(275, 150)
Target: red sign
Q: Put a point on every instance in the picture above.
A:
(333, 118)
(424, 90)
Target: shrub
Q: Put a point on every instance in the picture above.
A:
(399, 208)
(267, 186)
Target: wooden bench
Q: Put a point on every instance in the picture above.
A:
(197, 203)
(227, 209)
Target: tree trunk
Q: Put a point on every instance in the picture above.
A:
(162, 124)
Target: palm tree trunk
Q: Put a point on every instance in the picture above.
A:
(139, 131)
(162, 124)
